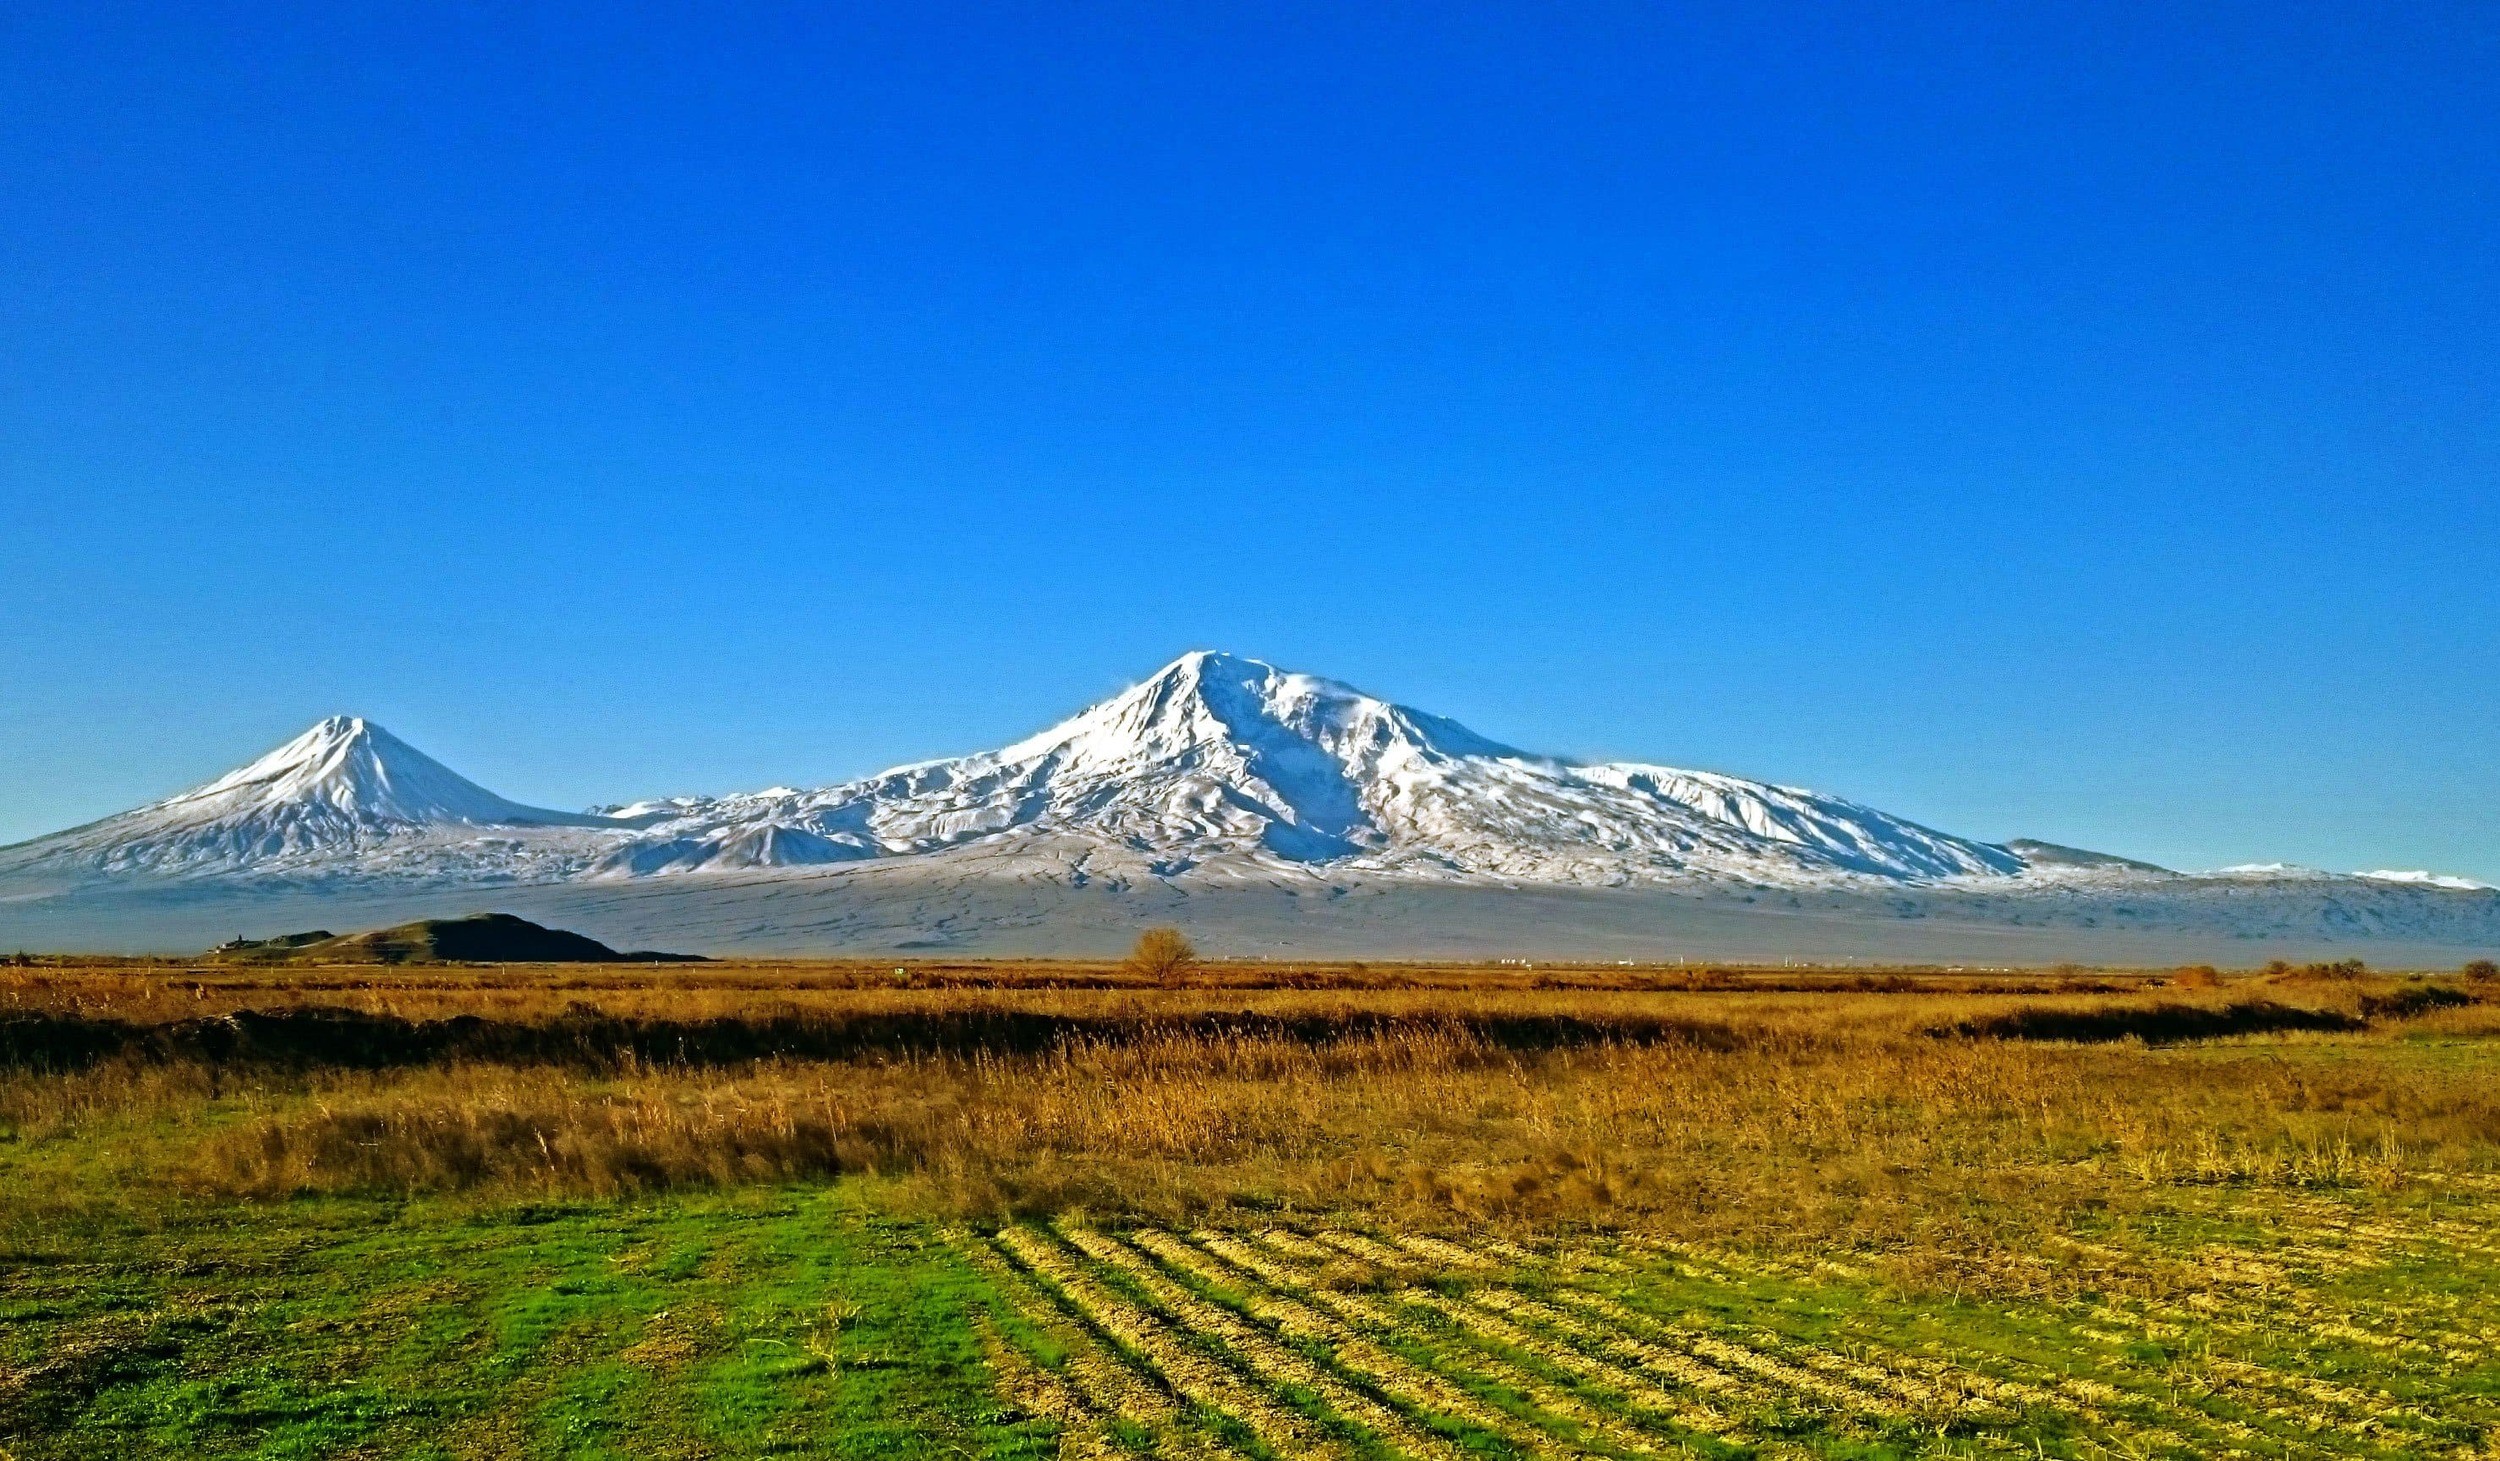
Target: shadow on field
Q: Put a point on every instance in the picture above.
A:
(2161, 1024)
(584, 1038)
(350, 1039)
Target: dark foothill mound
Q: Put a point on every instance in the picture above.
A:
(283, 943)
(480, 938)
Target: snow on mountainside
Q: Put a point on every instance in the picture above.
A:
(343, 787)
(2294, 872)
(1219, 759)
(1217, 770)
(2427, 880)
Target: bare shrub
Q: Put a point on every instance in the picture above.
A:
(1162, 955)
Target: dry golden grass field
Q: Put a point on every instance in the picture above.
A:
(1022, 1209)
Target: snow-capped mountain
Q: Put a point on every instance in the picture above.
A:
(1220, 759)
(1258, 788)
(343, 788)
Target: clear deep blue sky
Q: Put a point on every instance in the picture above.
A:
(2079, 425)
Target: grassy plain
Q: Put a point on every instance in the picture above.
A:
(1033, 1209)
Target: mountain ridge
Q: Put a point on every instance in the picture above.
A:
(1220, 756)
(1217, 773)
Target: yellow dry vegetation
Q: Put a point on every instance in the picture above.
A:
(1925, 1118)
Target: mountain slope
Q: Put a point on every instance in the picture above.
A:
(1218, 771)
(1293, 811)
(1219, 759)
(342, 787)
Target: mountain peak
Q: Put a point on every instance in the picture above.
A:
(1202, 676)
(1215, 666)
(1202, 661)
(333, 734)
(345, 782)
(1215, 758)
(1228, 715)
(348, 763)
(1220, 756)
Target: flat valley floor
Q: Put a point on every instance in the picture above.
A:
(973, 907)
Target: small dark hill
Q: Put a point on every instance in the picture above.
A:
(241, 947)
(480, 938)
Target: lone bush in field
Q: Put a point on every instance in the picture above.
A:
(1162, 954)
(2483, 971)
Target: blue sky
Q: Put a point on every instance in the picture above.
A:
(2078, 425)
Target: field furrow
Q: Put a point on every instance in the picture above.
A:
(1261, 1352)
(1655, 1395)
(1207, 1383)
(1551, 1408)
(1083, 1432)
(1407, 1384)
(1109, 1391)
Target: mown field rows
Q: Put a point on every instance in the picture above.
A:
(2333, 1336)
(2232, 1322)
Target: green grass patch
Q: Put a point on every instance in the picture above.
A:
(758, 1323)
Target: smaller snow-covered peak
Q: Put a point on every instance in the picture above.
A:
(2427, 880)
(2287, 870)
(345, 783)
(360, 771)
(328, 747)
(2294, 872)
